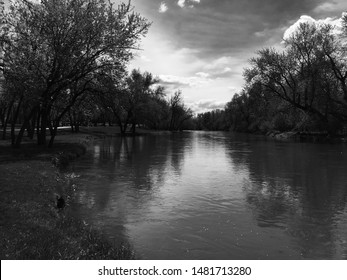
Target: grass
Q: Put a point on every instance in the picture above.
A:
(31, 227)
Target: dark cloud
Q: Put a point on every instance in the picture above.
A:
(225, 26)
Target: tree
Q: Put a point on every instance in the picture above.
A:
(140, 90)
(128, 97)
(303, 76)
(179, 113)
(54, 49)
(334, 47)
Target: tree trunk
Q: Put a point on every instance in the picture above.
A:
(21, 134)
(14, 120)
(25, 124)
(6, 120)
(31, 126)
(71, 121)
(38, 123)
(13, 134)
(50, 127)
(41, 139)
(123, 128)
(2, 117)
(53, 134)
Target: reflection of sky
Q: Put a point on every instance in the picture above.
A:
(96, 153)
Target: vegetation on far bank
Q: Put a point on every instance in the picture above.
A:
(302, 89)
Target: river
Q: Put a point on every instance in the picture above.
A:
(217, 195)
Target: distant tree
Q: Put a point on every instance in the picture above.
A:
(214, 120)
(156, 112)
(140, 90)
(179, 113)
(128, 97)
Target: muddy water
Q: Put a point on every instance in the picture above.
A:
(214, 195)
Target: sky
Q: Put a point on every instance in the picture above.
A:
(202, 47)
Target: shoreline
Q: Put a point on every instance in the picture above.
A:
(310, 137)
(31, 226)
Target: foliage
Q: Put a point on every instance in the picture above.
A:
(54, 50)
(302, 88)
(138, 100)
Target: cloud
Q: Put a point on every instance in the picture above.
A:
(202, 74)
(145, 58)
(181, 3)
(330, 7)
(188, 3)
(223, 67)
(335, 22)
(213, 42)
(233, 89)
(205, 105)
(177, 82)
(325, 7)
(163, 7)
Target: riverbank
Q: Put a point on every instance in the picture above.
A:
(31, 226)
(320, 137)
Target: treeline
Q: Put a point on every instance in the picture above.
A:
(302, 88)
(136, 101)
(65, 62)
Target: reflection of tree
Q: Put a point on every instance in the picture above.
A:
(122, 175)
(272, 203)
(298, 187)
(146, 158)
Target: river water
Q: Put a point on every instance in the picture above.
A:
(215, 195)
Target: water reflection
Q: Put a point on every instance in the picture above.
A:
(210, 195)
(301, 188)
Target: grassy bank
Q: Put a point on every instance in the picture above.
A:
(31, 226)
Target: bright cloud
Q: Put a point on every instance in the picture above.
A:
(205, 105)
(223, 67)
(233, 89)
(335, 22)
(331, 7)
(202, 74)
(325, 7)
(184, 3)
(145, 58)
(177, 82)
(163, 7)
(181, 3)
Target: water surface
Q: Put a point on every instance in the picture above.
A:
(215, 195)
